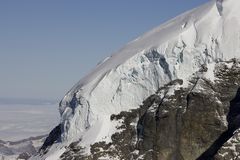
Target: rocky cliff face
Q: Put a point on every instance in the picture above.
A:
(169, 94)
(178, 122)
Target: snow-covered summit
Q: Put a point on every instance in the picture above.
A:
(174, 50)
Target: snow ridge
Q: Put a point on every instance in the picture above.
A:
(174, 50)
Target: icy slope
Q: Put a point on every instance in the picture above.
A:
(176, 49)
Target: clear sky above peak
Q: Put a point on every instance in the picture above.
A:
(47, 46)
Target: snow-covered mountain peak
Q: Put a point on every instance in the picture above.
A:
(175, 50)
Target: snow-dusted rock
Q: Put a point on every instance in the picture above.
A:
(177, 49)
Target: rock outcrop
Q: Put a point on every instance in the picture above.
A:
(167, 95)
(178, 123)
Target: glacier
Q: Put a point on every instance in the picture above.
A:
(174, 50)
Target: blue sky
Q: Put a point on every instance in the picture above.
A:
(46, 46)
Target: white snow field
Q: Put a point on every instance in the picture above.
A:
(174, 50)
(19, 122)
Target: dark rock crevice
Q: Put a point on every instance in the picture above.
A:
(88, 116)
(141, 122)
(190, 92)
(157, 114)
(233, 119)
(158, 118)
(54, 136)
(213, 149)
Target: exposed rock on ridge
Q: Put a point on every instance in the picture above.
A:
(176, 122)
(187, 48)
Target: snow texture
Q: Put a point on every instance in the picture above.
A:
(174, 50)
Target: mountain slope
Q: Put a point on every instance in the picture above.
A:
(185, 123)
(179, 49)
(22, 149)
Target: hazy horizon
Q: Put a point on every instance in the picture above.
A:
(27, 101)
